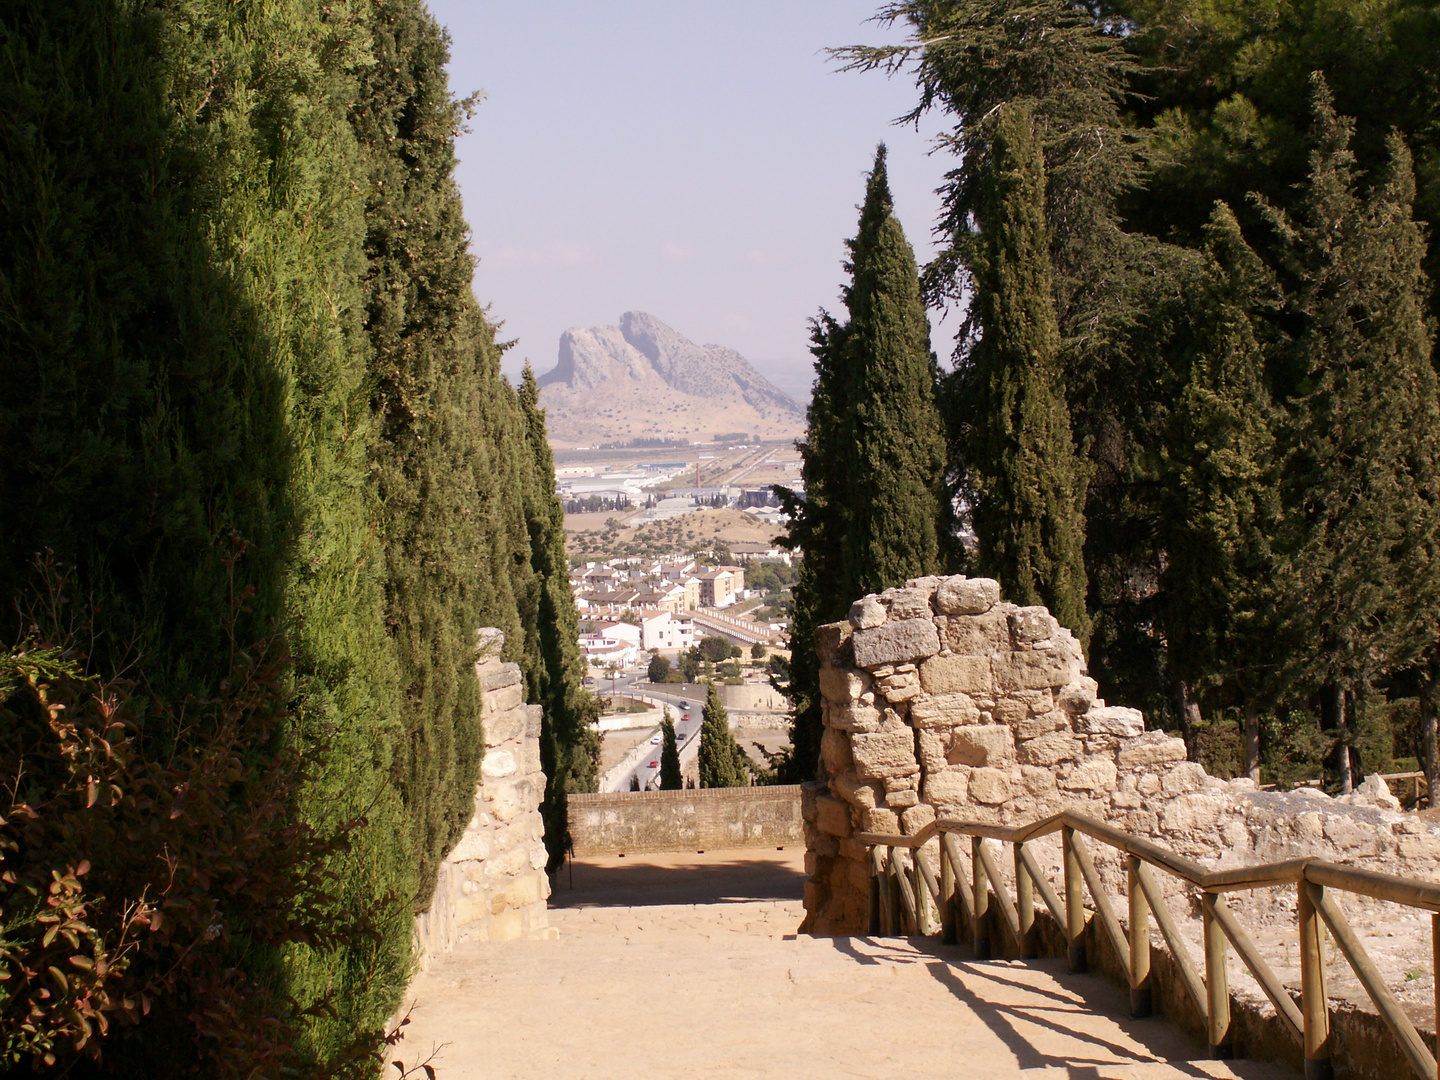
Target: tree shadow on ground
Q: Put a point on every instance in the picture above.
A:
(719, 878)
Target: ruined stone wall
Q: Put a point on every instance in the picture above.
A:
(492, 886)
(939, 699)
(707, 819)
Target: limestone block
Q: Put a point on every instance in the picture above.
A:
(947, 790)
(1031, 670)
(991, 745)
(810, 791)
(975, 635)
(933, 747)
(867, 613)
(852, 849)
(832, 644)
(1426, 846)
(1029, 625)
(473, 845)
(832, 816)
(504, 726)
(966, 596)
(1236, 837)
(844, 685)
(910, 639)
(927, 584)
(898, 800)
(848, 786)
(1309, 825)
(883, 753)
(1343, 832)
(906, 781)
(907, 603)
(534, 719)
(956, 675)
(507, 926)
(1037, 782)
(1095, 774)
(506, 697)
(854, 717)
(507, 864)
(1185, 813)
(498, 763)
(899, 688)
(879, 819)
(823, 844)
(524, 890)
(989, 786)
(1009, 711)
(1147, 783)
(1126, 800)
(1101, 745)
(489, 643)
(1151, 748)
(1079, 696)
(916, 818)
(529, 761)
(493, 675)
(1181, 777)
(1032, 727)
(1111, 720)
(1049, 749)
(943, 711)
(509, 799)
(835, 751)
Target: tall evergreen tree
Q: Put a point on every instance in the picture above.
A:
(670, 775)
(1362, 480)
(1221, 508)
(1026, 481)
(722, 762)
(876, 509)
(569, 740)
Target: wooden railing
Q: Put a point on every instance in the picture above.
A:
(902, 897)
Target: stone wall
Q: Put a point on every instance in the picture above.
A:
(706, 819)
(939, 699)
(492, 886)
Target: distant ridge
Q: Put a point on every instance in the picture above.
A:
(643, 379)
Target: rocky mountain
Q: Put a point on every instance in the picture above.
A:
(643, 379)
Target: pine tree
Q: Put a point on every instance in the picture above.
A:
(1027, 483)
(876, 509)
(670, 775)
(1362, 441)
(722, 762)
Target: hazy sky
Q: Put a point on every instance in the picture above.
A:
(702, 162)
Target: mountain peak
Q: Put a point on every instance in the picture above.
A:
(666, 377)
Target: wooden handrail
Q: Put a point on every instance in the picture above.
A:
(901, 895)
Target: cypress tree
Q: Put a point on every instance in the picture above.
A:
(876, 507)
(1221, 507)
(670, 777)
(1028, 484)
(1362, 438)
(898, 521)
(722, 762)
(569, 740)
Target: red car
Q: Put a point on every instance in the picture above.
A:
(685, 717)
(654, 764)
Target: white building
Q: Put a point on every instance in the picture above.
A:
(665, 632)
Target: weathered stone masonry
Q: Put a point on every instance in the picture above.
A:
(704, 819)
(492, 886)
(939, 699)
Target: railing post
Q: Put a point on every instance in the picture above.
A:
(949, 933)
(1074, 901)
(1314, 1007)
(897, 906)
(1434, 956)
(922, 896)
(982, 901)
(1217, 983)
(1024, 906)
(874, 895)
(1140, 1003)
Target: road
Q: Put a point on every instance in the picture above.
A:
(687, 733)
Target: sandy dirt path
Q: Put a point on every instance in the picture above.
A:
(689, 966)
